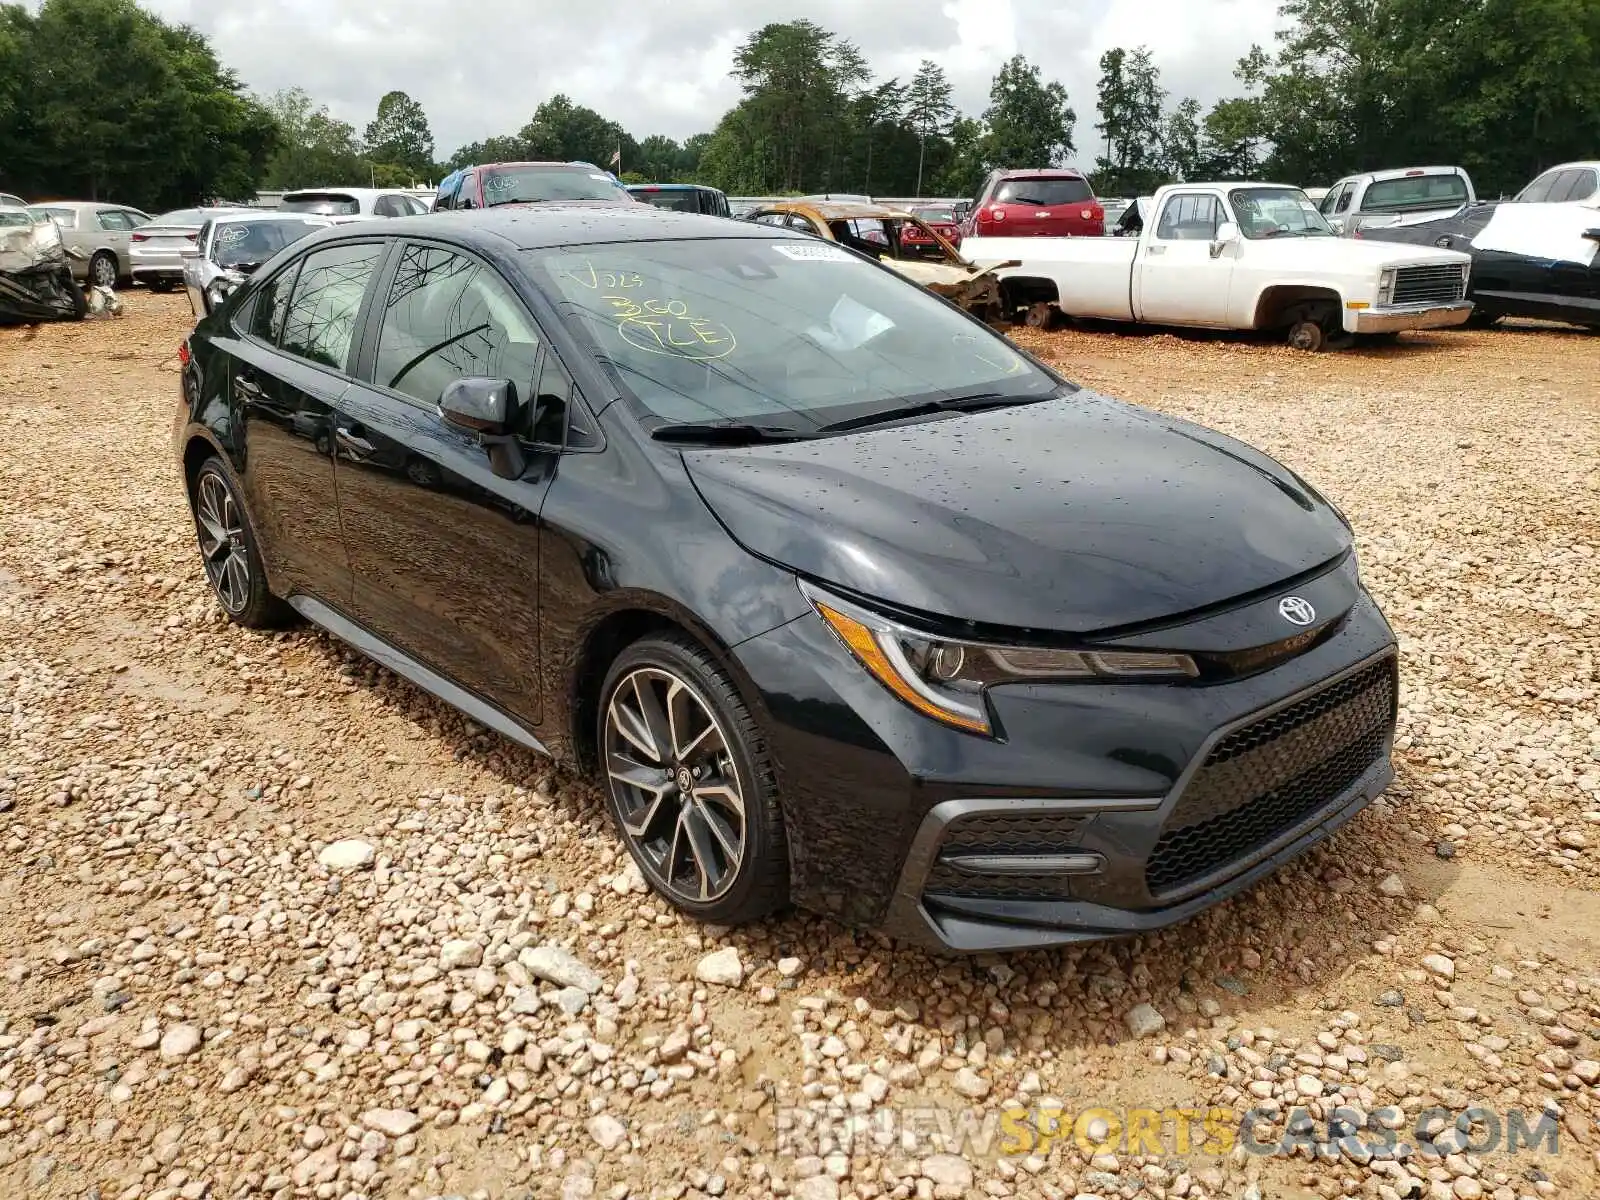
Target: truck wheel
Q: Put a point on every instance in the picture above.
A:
(1307, 336)
(1041, 315)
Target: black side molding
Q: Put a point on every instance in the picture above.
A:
(406, 667)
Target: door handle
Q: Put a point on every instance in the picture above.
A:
(1155, 249)
(352, 441)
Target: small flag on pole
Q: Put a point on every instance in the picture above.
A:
(616, 159)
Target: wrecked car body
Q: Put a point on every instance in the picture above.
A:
(36, 281)
(926, 257)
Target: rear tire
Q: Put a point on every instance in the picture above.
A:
(160, 286)
(690, 784)
(103, 269)
(228, 552)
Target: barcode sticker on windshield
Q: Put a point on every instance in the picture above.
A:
(816, 253)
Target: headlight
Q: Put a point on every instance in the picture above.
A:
(1386, 286)
(946, 679)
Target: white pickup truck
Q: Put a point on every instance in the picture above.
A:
(1234, 256)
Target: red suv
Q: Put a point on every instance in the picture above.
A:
(489, 184)
(1047, 203)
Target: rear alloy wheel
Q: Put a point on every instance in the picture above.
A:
(228, 552)
(103, 269)
(689, 783)
(1306, 335)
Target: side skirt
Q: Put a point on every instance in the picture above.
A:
(408, 668)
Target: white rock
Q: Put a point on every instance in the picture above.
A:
(180, 1041)
(948, 1171)
(721, 967)
(348, 854)
(790, 967)
(818, 1187)
(1439, 965)
(1572, 839)
(395, 1122)
(607, 1131)
(555, 965)
(1144, 1021)
(459, 953)
(969, 1083)
(1392, 885)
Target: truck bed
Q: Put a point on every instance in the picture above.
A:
(1092, 275)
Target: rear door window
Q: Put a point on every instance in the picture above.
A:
(1538, 191)
(114, 218)
(1043, 191)
(319, 325)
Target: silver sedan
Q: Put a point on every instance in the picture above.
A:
(153, 250)
(230, 246)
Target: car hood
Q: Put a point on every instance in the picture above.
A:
(1347, 254)
(1079, 514)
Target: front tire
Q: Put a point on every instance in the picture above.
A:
(690, 783)
(1307, 336)
(228, 552)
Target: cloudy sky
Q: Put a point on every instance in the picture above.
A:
(480, 67)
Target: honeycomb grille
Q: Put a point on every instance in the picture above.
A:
(1005, 833)
(1274, 773)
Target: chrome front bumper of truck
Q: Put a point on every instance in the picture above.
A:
(1396, 320)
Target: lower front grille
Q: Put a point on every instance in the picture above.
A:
(1428, 285)
(1001, 834)
(1274, 773)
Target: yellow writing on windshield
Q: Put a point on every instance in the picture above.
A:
(599, 278)
(670, 327)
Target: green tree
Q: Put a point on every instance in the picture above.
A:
(1131, 100)
(564, 131)
(964, 169)
(399, 135)
(505, 148)
(314, 147)
(104, 100)
(1029, 122)
(1231, 138)
(1180, 140)
(929, 110)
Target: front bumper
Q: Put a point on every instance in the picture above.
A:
(1398, 320)
(1106, 810)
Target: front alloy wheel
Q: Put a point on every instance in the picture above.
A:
(689, 783)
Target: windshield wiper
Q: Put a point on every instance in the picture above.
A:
(516, 200)
(727, 433)
(976, 402)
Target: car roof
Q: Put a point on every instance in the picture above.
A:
(554, 223)
(261, 214)
(671, 187)
(1039, 173)
(1402, 173)
(335, 190)
(834, 210)
(84, 205)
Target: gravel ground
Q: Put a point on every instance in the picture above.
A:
(272, 922)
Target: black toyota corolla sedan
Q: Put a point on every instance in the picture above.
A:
(845, 599)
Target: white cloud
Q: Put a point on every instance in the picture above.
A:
(480, 67)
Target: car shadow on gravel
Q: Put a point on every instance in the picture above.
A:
(1289, 940)
(1405, 345)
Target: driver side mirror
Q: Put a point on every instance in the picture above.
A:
(488, 408)
(1592, 235)
(1227, 234)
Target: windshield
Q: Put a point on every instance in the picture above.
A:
(519, 185)
(936, 216)
(1043, 191)
(322, 204)
(1416, 191)
(1277, 212)
(787, 332)
(251, 243)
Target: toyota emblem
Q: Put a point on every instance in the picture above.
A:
(1296, 610)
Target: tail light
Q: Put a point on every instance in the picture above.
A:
(183, 352)
(997, 213)
(140, 237)
(192, 237)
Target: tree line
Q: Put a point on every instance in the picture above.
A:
(101, 99)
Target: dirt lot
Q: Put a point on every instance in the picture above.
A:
(476, 998)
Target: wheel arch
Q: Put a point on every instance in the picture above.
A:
(1276, 303)
(1021, 291)
(628, 618)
